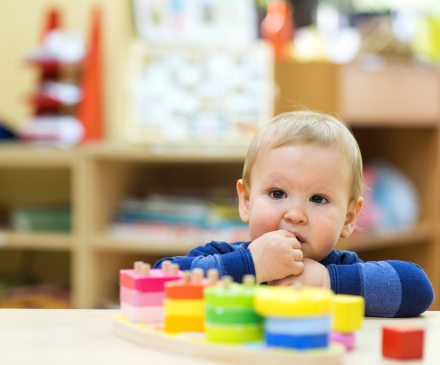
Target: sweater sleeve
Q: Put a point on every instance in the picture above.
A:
(390, 288)
(229, 259)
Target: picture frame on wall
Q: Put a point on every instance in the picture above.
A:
(207, 95)
(196, 22)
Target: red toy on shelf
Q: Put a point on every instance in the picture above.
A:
(90, 109)
(278, 27)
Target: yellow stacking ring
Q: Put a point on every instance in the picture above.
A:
(184, 308)
(292, 302)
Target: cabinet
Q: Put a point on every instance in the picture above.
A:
(94, 179)
(394, 113)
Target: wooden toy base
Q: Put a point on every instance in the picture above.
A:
(194, 344)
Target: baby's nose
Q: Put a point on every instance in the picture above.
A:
(296, 215)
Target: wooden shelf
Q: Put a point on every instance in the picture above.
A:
(105, 242)
(214, 152)
(359, 242)
(39, 241)
(16, 155)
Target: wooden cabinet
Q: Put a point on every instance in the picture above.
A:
(394, 112)
(393, 117)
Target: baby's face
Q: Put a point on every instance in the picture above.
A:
(303, 189)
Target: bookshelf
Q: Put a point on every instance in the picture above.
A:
(94, 178)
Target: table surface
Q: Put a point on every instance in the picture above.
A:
(39, 336)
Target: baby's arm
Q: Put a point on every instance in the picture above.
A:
(390, 288)
(229, 259)
(314, 274)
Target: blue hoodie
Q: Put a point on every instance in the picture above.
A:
(390, 288)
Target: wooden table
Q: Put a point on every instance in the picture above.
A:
(36, 336)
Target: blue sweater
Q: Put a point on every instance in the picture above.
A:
(390, 288)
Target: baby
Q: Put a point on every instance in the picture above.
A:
(300, 192)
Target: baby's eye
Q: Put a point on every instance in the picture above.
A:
(318, 199)
(277, 194)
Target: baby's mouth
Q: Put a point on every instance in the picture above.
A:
(299, 237)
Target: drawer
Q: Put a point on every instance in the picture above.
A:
(399, 93)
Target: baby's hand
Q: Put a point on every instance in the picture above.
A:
(314, 274)
(276, 255)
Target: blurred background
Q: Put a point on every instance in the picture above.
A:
(124, 126)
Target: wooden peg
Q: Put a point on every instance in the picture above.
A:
(197, 275)
(165, 266)
(145, 269)
(187, 276)
(174, 269)
(227, 281)
(138, 265)
(249, 281)
(213, 275)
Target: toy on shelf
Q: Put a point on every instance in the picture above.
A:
(184, 304)
(67, 103)
(402, 342)
(90, 111)
(225, 321)
(348, 311)
(230, 314)
(278, 27)
(142, 291)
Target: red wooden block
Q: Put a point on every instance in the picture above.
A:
(402, 342)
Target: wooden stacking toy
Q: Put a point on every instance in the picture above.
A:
(348, 311)
(184, 305)
(142, 291)
(298, 318)
(230, 316)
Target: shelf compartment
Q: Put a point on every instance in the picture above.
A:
(147, 246)
(40, 241)
(360, 242)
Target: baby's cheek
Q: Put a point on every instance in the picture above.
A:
(327, 235)
(261, 223)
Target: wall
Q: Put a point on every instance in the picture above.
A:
(21, 26)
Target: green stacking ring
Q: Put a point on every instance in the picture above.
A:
(233, 334)
(236, 296)
(228, 316)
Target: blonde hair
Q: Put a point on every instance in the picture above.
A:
(306, 127)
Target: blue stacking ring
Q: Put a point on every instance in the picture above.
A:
(299, 326)
(297, 342)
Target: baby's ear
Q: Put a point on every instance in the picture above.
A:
(354, 208)
(243, 201)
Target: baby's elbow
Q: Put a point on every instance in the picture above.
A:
(416, 301)
(417, 294)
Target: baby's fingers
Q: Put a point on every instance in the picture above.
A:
(289, 280)
(298, 255)
(297, 268)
